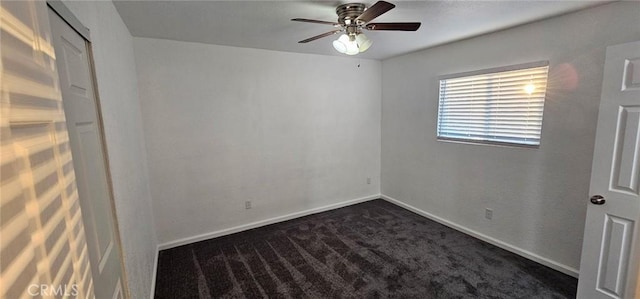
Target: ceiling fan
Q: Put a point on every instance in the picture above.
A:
(352, 18)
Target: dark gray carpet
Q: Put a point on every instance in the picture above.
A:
(370, 250)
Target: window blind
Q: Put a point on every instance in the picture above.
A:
(503, 107)
(43, 250)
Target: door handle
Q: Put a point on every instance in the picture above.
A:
(597, 200)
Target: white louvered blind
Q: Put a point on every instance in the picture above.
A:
(43, 250)
(494, 106)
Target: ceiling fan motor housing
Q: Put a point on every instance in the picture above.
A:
(348, 13)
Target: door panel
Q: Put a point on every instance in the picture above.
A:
(101, 226)
(631, 74)
(615, 254)
(610, 253)
(89, 160)
(626, 158)
(78, 80)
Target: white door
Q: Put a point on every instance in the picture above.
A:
(611, 249)
(85, 136)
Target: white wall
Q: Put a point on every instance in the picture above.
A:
(539, 196)
(118, 91)
(223, 125)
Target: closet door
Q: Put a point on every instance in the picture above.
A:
(85, 137)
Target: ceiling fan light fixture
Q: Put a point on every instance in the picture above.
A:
(347, 44)
(363, 42)
(340, 44)
(352, 46)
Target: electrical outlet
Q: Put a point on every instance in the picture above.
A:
(247, 204)
(488, 213)
(368, 181)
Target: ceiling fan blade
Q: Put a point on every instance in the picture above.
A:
(319, 36)
(393, 26)
(375, 10)
(316, 22)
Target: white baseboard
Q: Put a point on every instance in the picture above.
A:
(231, 230)
(154, 274)
(519, 251)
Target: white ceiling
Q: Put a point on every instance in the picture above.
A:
(267, 25)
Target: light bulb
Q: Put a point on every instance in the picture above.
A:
(363, 42)
(529, 88)
(352, 48)
(340, 44)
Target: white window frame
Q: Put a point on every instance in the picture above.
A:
(483, 72)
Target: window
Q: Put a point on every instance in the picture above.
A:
(496, 106)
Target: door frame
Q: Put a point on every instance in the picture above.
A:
(65, 14)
